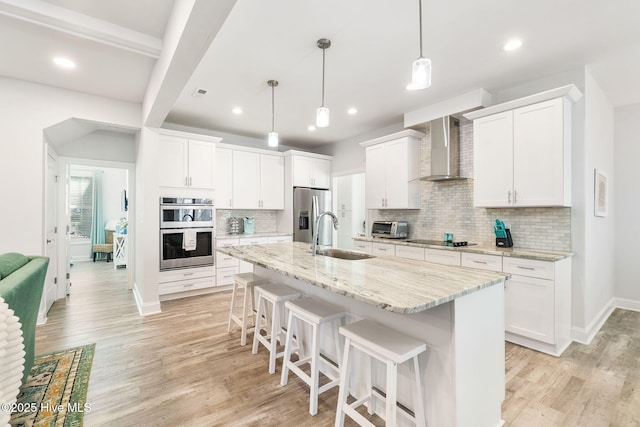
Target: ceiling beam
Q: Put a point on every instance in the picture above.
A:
(191, 29)
(79, 25)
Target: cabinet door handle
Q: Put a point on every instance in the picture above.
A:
(525, 268)
(509, 197)
(186, 181)
(479, 262)
(190, 181)
(188, 285)
(515, 197)
(230, 204)
(188, 274)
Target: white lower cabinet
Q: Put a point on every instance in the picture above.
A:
(537, 296)
(538, 304)
(280, 239)
(529, 306)
(411, 252)
(173, 282)
(226, 266)
(438, 256)
(383, 249)
(482, 261)
(363, 246)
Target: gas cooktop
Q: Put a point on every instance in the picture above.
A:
(439, 242)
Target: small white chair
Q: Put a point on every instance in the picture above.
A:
(391, 348)
(274, 294)
(314, 313)
(246, 282)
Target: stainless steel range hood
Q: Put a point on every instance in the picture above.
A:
(445, 149)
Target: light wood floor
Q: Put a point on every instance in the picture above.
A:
(181, 367)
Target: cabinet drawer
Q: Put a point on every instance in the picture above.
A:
(280, 239)
(410, 252)
(365, 247)
(383, 249)
(186, 285)
(482, 261)
(185, 274)
(221, 243)
(224, 276)
(528, 267)
(253, 240)
(223, 260)
(442, 257)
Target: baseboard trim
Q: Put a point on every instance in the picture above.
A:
(627, 304)
(145, 309)
(586, 335)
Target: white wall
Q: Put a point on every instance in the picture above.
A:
(594, 265)
(101, 145)
(348, 155)
(26, 109)
(627, 202)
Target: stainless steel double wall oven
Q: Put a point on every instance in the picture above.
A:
(186, 232)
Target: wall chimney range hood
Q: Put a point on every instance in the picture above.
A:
(445, 149)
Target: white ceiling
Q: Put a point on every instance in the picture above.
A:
(368, 64)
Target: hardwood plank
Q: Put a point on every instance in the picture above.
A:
(181, 367)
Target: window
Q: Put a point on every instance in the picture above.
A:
(80, 206)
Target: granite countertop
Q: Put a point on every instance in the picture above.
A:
(394, 284)
(256, 234)
(535, 254)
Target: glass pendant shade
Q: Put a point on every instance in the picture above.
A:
(420, 74)
(322, 117)
(273, 139)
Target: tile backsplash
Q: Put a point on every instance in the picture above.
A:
(447, 206)
(265, 221)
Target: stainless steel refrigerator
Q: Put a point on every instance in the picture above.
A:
(307, 204)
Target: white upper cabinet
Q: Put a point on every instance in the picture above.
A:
(392, 171)
(311, 172)
(258, 181)
(186, 162)
(522, 156)
(224, 178)
(271, 182)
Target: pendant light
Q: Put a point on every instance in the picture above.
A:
(421, 69)
(322, 113)
(272, 139)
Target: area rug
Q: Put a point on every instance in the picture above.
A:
(56, 391)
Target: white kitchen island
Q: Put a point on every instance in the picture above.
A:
(458, 312)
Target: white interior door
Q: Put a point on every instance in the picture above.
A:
(51, 227)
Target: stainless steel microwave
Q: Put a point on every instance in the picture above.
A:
(390, 229)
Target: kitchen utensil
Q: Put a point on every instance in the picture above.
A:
(499, 229)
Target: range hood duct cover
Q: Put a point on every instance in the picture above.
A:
(445, 149)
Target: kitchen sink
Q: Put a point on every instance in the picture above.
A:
(342, 254)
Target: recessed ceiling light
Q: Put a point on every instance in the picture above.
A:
(352, 111)
(64, 63)
(237, 110)
(512, 45)
(311, 128)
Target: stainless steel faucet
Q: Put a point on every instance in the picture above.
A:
(314, 246)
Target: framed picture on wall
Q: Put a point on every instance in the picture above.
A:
(600, 200)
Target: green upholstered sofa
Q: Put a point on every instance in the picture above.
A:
(21, 283)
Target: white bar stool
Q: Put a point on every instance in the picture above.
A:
(314, 313)
(391, 348)
(276, 294)
(246, 282)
